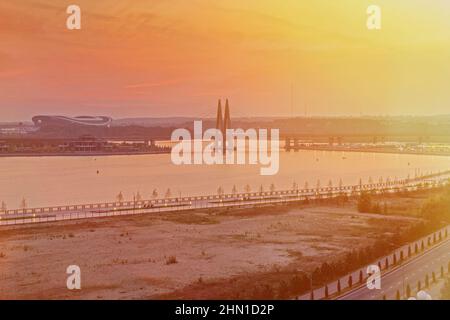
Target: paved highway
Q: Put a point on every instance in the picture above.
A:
(411, 272)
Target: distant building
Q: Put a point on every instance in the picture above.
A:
(85, 143)
(4, 147)
(62, 121)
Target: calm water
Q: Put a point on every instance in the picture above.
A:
(70, 180)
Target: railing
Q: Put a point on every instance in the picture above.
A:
(55, 213)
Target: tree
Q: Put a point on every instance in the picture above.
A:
(376, 208)
(350, 281)
(247, 188)
(306, 187)
(294, 186)
(261, 189)
(220, 191)
(120, 197)
(330, 189)
(168, 193)
(360, 276)
(138, 196)
(23, 204)
(272, 187)
(339, 285)
(364, 202)
(155, 194)
(397, 295)
(234, 190)
(387, 263)
(427, 281)
(416, 248)
(408, 291)
(326, 292)
(3, 206)
(445, 291)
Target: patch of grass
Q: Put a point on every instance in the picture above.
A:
(191, 218)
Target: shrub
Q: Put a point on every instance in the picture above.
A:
(364, 203)
(171, 260)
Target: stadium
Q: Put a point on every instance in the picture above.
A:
(93, 121)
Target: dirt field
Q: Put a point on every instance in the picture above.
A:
(183, 255)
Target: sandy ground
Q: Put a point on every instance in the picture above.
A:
(128, 257)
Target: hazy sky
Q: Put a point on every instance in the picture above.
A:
(177, 57)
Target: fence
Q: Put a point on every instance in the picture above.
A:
(107, 209)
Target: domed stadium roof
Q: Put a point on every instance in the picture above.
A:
(98, 121)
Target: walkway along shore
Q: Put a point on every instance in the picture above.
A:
(255, 199)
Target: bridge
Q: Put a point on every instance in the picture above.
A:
(250, 199)
(297, 141)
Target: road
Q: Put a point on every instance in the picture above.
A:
(433, 252)
(411, 272)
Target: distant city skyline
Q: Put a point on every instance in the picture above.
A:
(164, 59)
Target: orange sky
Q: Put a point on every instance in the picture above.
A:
(177, 57)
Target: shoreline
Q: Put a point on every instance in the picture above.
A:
(138, 153)
(79, 154)
(443, 154)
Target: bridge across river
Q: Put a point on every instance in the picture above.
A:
(251, 199)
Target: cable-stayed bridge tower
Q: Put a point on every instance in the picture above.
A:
(223, 122)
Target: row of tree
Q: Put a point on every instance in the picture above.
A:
(23, 205)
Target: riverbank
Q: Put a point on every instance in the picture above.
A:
(200, 254)
(81, 154)
(168, 151)
(370, 150)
